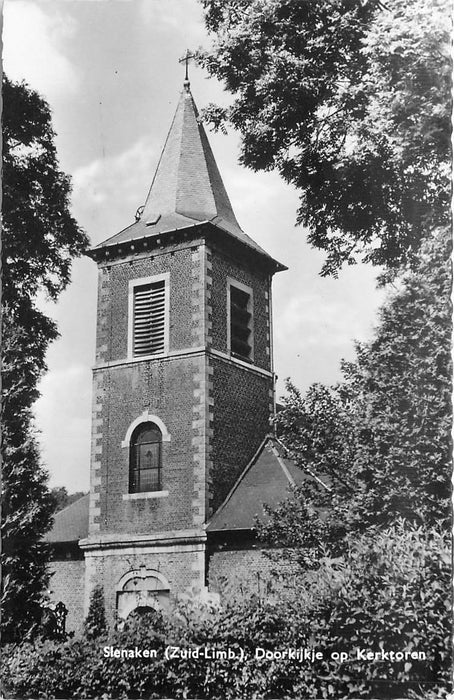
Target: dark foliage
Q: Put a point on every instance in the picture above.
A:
(95, 623)
(381, 439)
(350, 103)
(39, 240)
(390, 591)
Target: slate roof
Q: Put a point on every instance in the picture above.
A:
(266, 479)
(70, 523)
(187, 189)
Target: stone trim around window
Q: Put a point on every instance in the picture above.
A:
(146, 417)
(234, 284)
(144, 495)
(141, 282)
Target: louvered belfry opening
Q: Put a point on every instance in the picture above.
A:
(149, 319)
(240, 323)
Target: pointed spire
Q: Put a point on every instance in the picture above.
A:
(187, 181)
(187, 188)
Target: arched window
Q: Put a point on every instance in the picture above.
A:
(145, 459)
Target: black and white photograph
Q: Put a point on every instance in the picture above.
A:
(226, 349)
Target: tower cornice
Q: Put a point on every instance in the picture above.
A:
(118, 249)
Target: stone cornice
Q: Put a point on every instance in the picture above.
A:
(155, 539)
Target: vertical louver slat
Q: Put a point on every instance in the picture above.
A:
(149, 319)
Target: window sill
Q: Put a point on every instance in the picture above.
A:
(241, 358)
(150, 356)
(144, 495)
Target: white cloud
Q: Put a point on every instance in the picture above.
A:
(100, 179)
(309, 321)
(33, 48)
(174, 15)
(317, 320)
(63, 414)
(253, 191)
(109, 190)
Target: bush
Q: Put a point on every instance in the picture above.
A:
(390, 589)
(48, 668)
(95, 623)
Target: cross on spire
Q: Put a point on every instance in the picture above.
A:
(186, 58)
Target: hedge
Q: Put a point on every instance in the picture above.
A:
(390, 591)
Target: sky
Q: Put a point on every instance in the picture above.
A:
(109, 70)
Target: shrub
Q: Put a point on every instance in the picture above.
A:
(95, 623)
(390, 590)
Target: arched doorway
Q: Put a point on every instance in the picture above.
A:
(142, 590)
(142, 611)
(145, 615)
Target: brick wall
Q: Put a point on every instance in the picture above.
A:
(242, 398)
(214, 410)
(241, 573)
(164, 389)
(242, 404)
(67, 584)
(223, 267)
(112, 327)
(171, 388)
(181, 565)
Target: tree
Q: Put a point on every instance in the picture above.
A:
(40, 237)
(95, 624)
(380, 439)
(350, 103)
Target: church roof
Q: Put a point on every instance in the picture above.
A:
(70, 523)
(268, 478)
(187, 189)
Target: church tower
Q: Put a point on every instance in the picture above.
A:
(183, 380)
